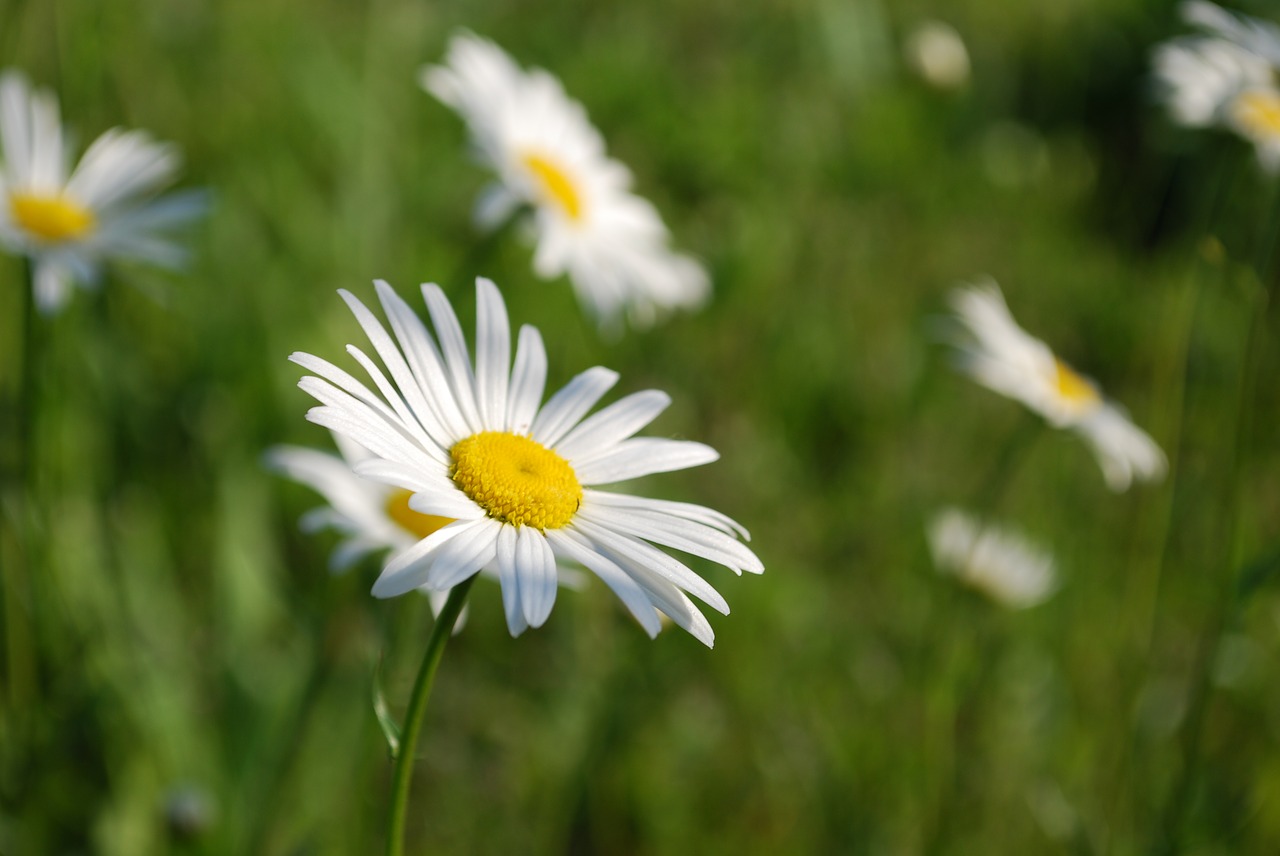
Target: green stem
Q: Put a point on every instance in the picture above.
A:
(1229, 597)
(20, 564)
(440, 634)
(991, 492)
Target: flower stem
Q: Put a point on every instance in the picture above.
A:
(440, 634)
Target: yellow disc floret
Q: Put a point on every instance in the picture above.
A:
(51, 218)
(1257, 113)
(516, 480)
(554, 185)
(1077, 392)
(413, 522)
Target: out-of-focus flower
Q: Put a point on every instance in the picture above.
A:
(1001, 356)
(935, 51)
(1001, 564)
(1225, 76)
(472, 443)
(371, 515)
(585, 220)
(70, 221)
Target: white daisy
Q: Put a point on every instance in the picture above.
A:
(586, 222)
(69, 221)
(1001, 564)
(1225, 76)
(519, 480)
(1000, 355)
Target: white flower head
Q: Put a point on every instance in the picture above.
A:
(1001, 564)
(586, 221)
(1001, 356)
(936, 52)
(1226, 76)
(68, 221)
(473, 442)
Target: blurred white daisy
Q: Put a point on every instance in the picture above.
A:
(371, 516)
(585, 220)
(69, 221)
(472, 443)
(1226, 76)
(1001, 564)
(1001, 356)
(936, 52)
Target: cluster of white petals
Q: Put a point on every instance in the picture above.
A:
(1000, 355)
(69, 221)
(586, 222)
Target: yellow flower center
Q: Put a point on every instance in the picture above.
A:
(1257, 112)
(554, 185)
(516, 480)
(51, 218)
(1075, 390)
(413, 522)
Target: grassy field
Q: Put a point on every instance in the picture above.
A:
(182, 674)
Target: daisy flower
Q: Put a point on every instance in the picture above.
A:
(519, 479)
(585, 220)
(1001, 356)
(68, 221)
(1001, 564)
(1225, 76)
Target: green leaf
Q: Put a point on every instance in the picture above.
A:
(390, 728)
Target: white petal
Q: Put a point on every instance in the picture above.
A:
(688, 511)
(412, 568)
(613, 424)
(679, 534)
(642, 456)
(538, 575)
(464, 555)
(509, 577)
(493, 353)
(632, 552)
(453, 345)
(426, 364)
(570, 545)
(528, 378)
(571, 403)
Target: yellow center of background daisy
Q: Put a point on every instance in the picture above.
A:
(516, 480)
(413, 522)
(1258, 112)
(51, 218)
(554, 185)
(1076, 390)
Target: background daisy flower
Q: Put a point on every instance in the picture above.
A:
(586, 221)
(69, 221)
(1000, 563)
(371, 516)
(1001, 356)
(1224, 77)
(472, 443)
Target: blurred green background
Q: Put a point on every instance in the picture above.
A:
(182, 675)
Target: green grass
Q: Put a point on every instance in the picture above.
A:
(169, 628)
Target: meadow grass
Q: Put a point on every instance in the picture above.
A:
(170, 635)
